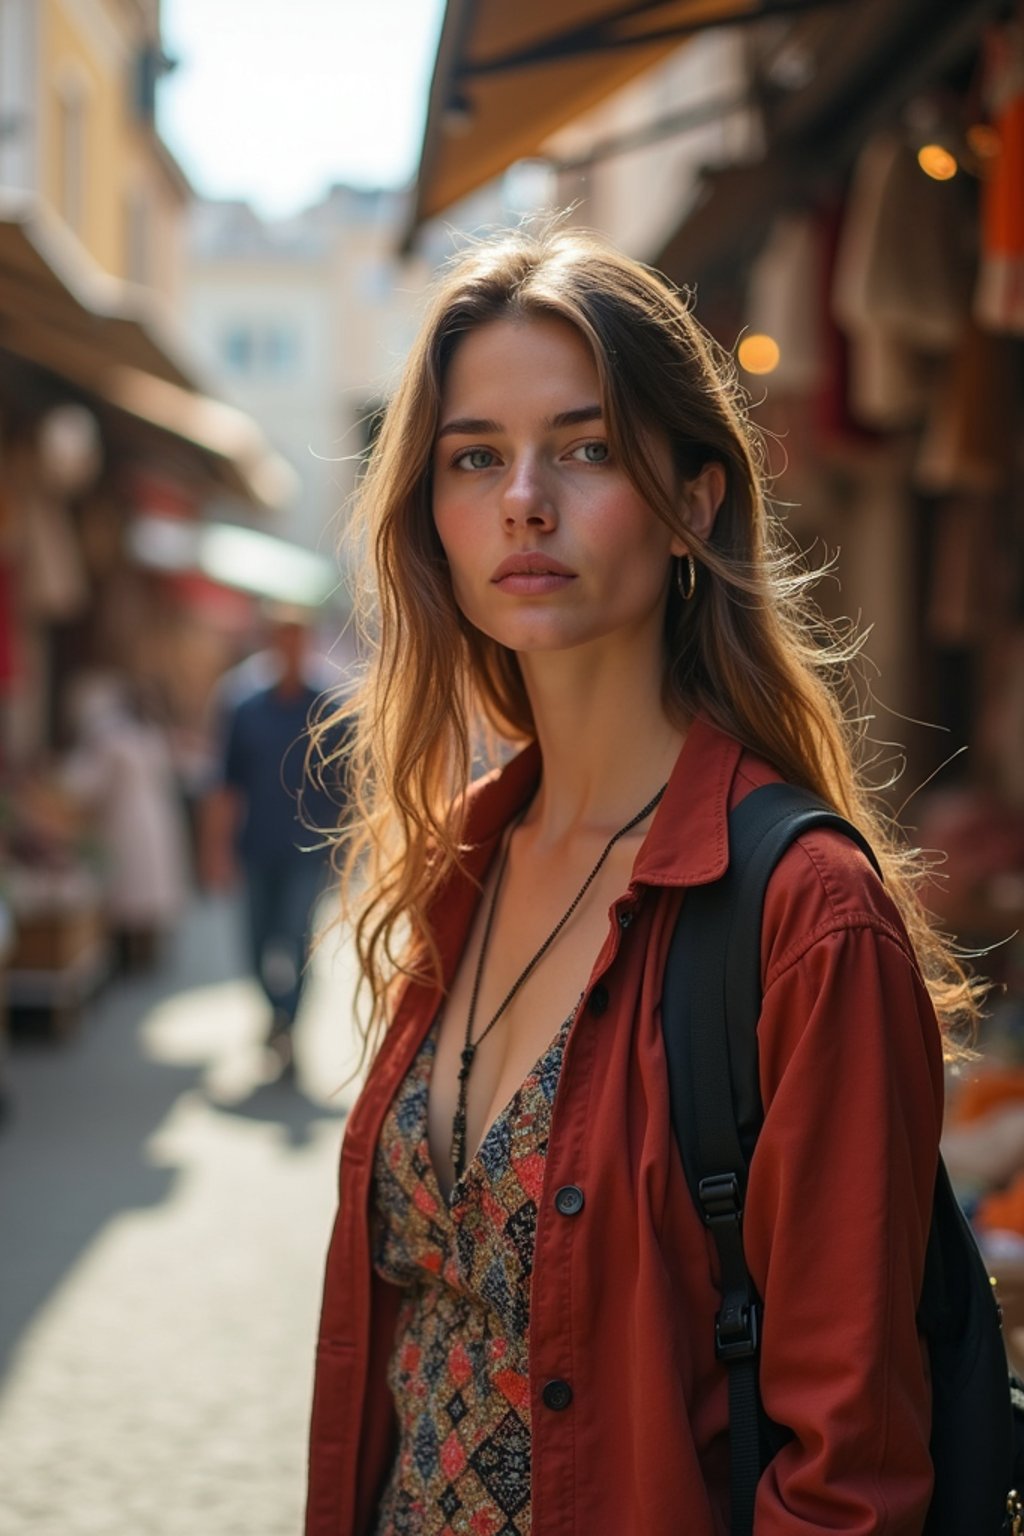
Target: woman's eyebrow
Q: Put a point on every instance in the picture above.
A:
(468, 426)
(472, 426)
(576, 418)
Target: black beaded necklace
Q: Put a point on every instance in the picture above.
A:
(471, 1046)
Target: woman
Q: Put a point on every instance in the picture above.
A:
(121, 770)
(566, 509)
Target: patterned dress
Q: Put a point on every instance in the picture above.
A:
(459, 1370)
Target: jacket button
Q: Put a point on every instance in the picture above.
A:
(599, 999)
(626, 917)
(557, 1395)
(569, 1200)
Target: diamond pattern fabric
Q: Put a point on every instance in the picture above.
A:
(459, 1370)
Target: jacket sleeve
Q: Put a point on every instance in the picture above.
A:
(839, 1204)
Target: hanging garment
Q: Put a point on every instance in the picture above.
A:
(960, 596)
(999, 295)
(121, 769)
(1000, 719)
(9, 669)
(901, 284)
(56, 587)
(782, 301)
(968, 441)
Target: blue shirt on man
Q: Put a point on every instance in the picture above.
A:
(286, 807)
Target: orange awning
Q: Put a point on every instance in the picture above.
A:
(508, 75)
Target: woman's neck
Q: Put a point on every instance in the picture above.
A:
(606, 741)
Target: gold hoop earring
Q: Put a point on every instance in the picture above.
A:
(686, 591)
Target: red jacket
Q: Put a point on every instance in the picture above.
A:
(622, 1302)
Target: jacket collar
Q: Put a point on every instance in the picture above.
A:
(687, 843)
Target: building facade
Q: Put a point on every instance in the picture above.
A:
(302, 322)
(78, 82)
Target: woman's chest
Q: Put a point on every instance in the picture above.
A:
(475, 1243)
(528, 961)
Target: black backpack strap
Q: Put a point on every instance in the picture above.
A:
(711, 1001)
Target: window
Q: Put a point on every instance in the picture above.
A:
(138, 238)
(280, 349)
(72, 116)
(19, 108)
(237, 349)
(268, 349)
(149, 66)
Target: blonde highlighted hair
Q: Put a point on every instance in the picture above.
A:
(750, 651)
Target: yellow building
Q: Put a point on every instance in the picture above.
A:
(92, 214)
(77, 96)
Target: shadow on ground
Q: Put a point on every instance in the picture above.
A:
(281, 1103)
(73, 1142)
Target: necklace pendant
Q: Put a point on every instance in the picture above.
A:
(470, 1048)
(458, 1151)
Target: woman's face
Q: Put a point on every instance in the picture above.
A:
(549, 543)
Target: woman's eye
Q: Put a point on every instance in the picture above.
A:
(475, 458)
(591, 453)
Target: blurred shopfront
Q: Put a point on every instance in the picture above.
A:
(103, 431)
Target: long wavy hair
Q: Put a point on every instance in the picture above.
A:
(750, 651)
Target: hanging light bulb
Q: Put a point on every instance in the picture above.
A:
(937, 162)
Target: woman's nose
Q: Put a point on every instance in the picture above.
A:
(526, 497)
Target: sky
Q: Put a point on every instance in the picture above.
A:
(272, 100)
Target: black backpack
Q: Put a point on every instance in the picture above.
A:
(710, 1006)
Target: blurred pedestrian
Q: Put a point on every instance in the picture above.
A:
(573, 542)
(269, 816)
(120, 770)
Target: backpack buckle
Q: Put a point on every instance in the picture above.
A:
(1015, 1512)
(719, 1196)
(736, 1332)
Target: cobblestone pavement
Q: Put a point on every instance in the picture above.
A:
(164, 1213)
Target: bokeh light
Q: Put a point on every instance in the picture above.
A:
(758, 354)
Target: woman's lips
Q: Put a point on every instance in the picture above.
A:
(533, 583)
(532, 575)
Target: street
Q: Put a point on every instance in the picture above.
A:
(165, 1213)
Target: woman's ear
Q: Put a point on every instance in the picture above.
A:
(703, 495)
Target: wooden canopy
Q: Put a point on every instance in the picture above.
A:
(62, 314)
(508, 75)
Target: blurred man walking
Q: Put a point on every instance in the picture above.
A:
(267, 816)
